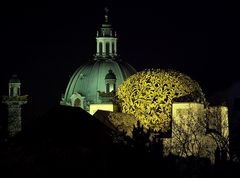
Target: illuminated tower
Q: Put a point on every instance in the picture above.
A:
(106, 39)
(14, 101)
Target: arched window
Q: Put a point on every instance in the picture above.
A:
(18, 92)
(100, 48)
(114, 87)
(107, 87)
(11, 91)
(77, 102)
(113, 48)
(107, 48)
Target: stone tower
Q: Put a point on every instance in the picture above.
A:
(14, 100)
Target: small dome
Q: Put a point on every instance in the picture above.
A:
(14, 79)
(110, 75)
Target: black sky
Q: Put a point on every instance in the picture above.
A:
(45, 42)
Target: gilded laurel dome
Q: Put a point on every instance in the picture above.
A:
(149, 95)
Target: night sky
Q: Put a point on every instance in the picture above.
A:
(45, 42)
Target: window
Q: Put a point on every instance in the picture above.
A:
(107, 48)
(18, 92)
(107, 87)
(113, 48)
(100, 48)
(11, 91)
(77, 102)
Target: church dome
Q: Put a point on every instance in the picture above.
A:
(103, 74)
(90, 78)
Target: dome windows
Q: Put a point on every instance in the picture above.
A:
(110, 81)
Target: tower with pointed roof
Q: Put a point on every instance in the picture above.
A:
(14, 101)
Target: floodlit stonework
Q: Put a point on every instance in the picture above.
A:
(195, 132)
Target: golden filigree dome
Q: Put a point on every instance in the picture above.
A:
(149, 95)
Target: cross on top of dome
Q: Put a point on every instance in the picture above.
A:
(106, 14)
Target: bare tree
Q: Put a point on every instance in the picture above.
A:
(198, 132)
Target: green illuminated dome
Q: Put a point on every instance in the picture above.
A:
(90, 78)
(104, 73)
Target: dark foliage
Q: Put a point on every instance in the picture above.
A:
(64, 141)
(70, 142)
